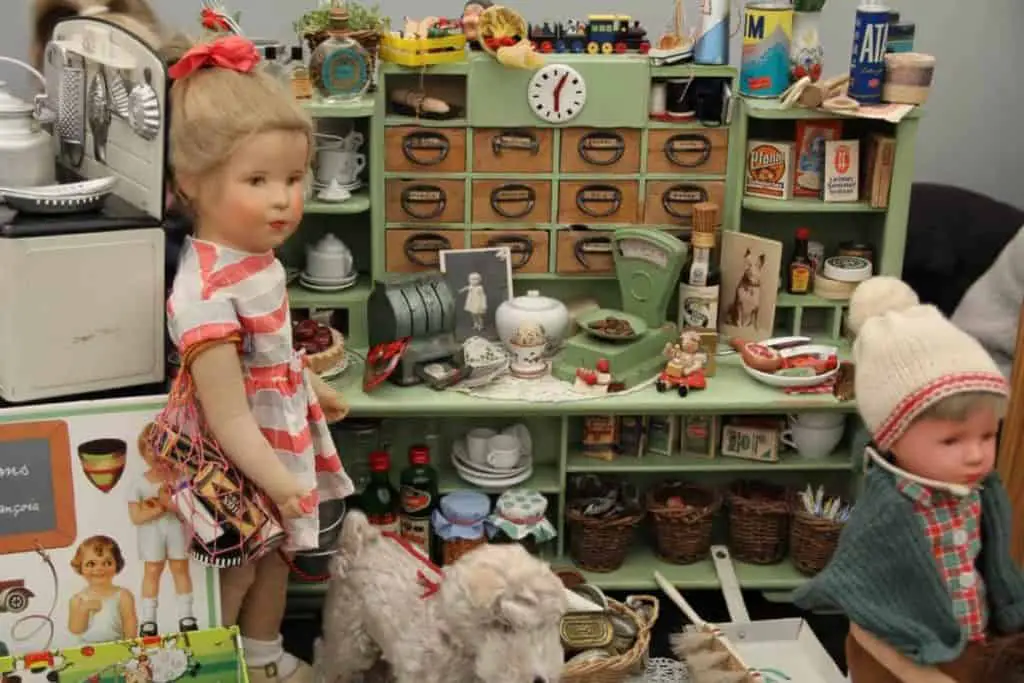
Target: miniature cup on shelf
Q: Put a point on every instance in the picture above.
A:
(477, 444)
(812, 442)
(817, 419)
(338, 164)
(503, 451)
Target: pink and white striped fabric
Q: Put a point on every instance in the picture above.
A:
(219, 292)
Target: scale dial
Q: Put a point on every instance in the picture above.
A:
(557, 93)
(644, 251)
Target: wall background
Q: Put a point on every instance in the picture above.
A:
(970, 136)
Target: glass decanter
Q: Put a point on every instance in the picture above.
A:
(340, 66)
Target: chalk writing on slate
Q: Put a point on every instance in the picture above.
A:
(26, 487)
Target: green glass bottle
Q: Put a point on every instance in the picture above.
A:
(379, 499)
(419, 497)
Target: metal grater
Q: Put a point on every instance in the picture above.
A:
(71, 101)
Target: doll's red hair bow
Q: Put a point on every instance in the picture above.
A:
(231, 52)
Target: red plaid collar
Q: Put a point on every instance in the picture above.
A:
(926, 496)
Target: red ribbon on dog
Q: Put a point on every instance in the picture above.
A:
(232, 52)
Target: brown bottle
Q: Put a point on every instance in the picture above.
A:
(801, 270)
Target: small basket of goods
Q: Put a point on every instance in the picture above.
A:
(603, 515)
(683, 515)
(790, 362)
(814, 531)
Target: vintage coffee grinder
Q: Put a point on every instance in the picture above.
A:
(647, 265)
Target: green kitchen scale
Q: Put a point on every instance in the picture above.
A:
(647, 265)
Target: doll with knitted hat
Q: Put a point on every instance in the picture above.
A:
(923, 568)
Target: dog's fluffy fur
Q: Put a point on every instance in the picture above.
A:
(494, 619)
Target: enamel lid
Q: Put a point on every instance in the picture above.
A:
(330, 244)
(533, 301)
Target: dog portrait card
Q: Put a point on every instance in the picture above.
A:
(751, 267)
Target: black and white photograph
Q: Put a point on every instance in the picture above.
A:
(480, 280)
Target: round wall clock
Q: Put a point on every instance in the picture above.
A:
(557, 93)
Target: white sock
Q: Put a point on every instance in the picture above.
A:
(263, 652)
(149, 610)
(184, 601)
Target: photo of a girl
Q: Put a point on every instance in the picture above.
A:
(102, 611)
(163, 541)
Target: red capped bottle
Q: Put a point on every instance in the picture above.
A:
(419, 497)
(379, 499)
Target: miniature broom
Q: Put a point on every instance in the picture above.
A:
(708, 654)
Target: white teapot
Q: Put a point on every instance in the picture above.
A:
(329, 259)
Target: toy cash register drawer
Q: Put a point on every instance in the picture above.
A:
(427, 200)
(413, 250)
(425, 150)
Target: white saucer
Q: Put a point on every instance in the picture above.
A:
(495, 484)
(328, 281)
(354, 185)
(336, 287)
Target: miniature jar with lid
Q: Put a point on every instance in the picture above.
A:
(458, 522)
(340, 66)
(520, 517)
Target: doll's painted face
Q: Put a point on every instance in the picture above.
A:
(253, 202)
(952, 451)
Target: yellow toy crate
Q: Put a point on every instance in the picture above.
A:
(423, 51)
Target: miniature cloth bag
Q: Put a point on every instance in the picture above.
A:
(461, 515)
(520, 514)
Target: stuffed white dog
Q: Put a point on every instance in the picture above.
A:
(491, 617)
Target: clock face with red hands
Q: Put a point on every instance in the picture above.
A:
(557, 93)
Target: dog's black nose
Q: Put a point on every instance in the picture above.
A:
(540, 679)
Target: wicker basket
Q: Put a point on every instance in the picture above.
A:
(620, 667)
(600, 545)
(812, 540)
(758, 522)
(683, 534)
(457, 547)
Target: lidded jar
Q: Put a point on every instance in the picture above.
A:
(533, 309)
(340, 66)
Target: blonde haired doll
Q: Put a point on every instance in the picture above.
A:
(239, 148)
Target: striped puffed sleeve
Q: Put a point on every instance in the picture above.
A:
(196, 320)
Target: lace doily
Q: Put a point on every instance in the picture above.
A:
(662, 670)
(546, 389)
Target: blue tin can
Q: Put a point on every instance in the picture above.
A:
(867, 59)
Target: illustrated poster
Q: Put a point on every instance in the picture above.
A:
(91, 551)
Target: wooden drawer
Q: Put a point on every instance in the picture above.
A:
(425, 150)
(598, 201)
(529, 247)
(512, 201)
(512, 150)
(692, 150)
(582, 251)
(670, 202)
(413, 250)
(425, 199)
(600, 150)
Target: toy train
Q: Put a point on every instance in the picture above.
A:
(600, 34)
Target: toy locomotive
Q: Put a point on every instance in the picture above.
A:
(600, 34)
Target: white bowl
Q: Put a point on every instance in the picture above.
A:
(788, 382)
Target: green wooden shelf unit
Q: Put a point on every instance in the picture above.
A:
(497, 141)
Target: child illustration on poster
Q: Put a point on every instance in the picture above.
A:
(102, 611)
(162, 541)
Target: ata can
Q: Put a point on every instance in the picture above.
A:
(713, 43)
(867, 59)
(767, 33)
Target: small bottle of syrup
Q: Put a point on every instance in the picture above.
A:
(801, 270)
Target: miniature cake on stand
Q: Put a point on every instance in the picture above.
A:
(324, 346)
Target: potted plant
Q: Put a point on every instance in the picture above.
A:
(806, 55)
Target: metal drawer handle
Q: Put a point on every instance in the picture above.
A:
(425, 243)
(515, 140)
(682, 194)
(590, 246)
(601, 195)
(514, 194)
(429, 142)
(424, 195)
(685, 144)
(520, 246)
(598, 142)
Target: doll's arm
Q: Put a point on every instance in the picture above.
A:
(129, 620)
(140, 513)
(334, 406)
(220, 389)
(898, 664)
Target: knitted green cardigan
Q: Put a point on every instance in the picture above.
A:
(884, 577)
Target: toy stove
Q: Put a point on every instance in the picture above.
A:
(648, 264)
(82, 275)
(421, 307)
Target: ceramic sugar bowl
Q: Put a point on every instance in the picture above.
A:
(329, 259)
(528, 344)
(550, 314)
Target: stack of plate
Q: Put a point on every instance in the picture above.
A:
(87, 195)
(324, 284)
(487, 477)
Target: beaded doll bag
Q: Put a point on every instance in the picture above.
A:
(231, 521)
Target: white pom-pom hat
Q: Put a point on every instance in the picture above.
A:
(908, 357)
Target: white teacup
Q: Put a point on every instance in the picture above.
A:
(503, 451)
(338, 164)
(812, 442)
(330, 259)
(354, 165)
(478, 444)
(353, 141)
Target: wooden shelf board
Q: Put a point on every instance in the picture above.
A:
(789, 462)
(396, 120)
(772, 109)
(319, 109)
(806, 206)
(358, 203)
(300, 297)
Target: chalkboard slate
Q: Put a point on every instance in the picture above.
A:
(37, 505)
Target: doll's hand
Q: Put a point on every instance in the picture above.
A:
(90, 605)
(165, 499)
(334, 406)
(298, 506)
